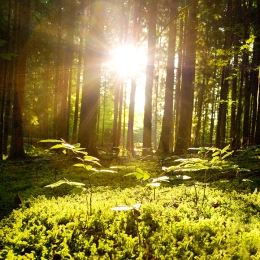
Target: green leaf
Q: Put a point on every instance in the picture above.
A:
(146, 176)
(78, 149)
(81, 152)
(154, 185)
(247, 180)
(97, 163)
(214, 159)
(56, 184)
(88, 167)
(225, 149)
(50, 141)
(138, 175)
(163, 178)
(243, 170)
(226, 155)
(90, 158)
(139, 170)
(75, 183)
(82, 165)
(79, 165)
(216, 153)
(122, 208)
(65, 181)
(68, 146)
(57, 146)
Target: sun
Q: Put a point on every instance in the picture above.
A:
(126, 61)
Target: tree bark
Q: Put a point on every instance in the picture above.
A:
(92, 79)
(147, 133)
(166, 139)
(187, 88)
(223, 103)
(17, 149)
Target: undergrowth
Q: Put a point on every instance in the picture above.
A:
(203, 209)
(171, 227)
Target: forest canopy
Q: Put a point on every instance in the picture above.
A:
(159, 75)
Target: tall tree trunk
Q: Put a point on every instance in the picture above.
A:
(222, 112)
(8, 87)
(147, 133)
(67, 77)
(188, 76)
(92, 79)
(17, 149)
(255, 78)
(5, 71)
(178, 77)
(236, 142)
(115, 121)
(58, 75)
(130, 132)
(76, 111)
(120, 112)
(135, 35)
(255, 74)
(166, 139)
(199, 110)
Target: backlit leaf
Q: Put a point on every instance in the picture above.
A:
(154, 185)
(79, 165)
(122, 208)
(56, 184)
(163, 178)
(57, 146)
(50, 141)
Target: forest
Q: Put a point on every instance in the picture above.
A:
(158, 75)
(130, 129)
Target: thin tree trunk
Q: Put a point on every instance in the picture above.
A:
(223, 105)
(116, 102)
(199, 111)
(178, 79)
(188, 77)
(58, 76)
(130, 132)
(76, 111)
(254, 85)
(94, 50)
(17, 149)
(147, 133)
(166, 140)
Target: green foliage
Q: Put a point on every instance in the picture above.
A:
(217, 162)
(172, 227)
(139, 174)
(75, 149)
(200, 221)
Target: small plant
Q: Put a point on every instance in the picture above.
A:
(136, 213)
(139, 174)
(156, 182)
(85, 160)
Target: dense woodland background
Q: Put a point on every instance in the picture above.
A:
(200, 79)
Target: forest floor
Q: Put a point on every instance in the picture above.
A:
(176, 206)
(29, 177)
